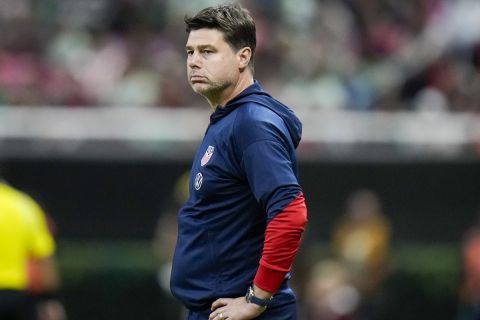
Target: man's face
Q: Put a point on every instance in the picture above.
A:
(212, 65)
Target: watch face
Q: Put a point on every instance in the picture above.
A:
(249, 295)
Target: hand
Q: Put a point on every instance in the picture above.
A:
(51, 310)
(234, 309)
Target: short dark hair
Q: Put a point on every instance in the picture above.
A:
(234, 21)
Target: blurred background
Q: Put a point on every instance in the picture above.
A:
(98, 125)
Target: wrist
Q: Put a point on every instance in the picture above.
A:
(258, 297)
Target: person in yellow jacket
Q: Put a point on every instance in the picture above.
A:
(25, 244)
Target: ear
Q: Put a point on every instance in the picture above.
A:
(244, 55)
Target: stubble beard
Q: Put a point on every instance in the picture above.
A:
(211, 91)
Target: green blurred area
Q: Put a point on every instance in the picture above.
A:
(424, 283)
(78, 258)
(437, 266)
(118, 280)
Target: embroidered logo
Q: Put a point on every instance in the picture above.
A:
(198, 181)
(206, 157)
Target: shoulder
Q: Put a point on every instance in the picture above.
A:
(256, 116)
(13, 196)
(21, 203)
(256, 122)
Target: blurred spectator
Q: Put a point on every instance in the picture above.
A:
(361, 240)
(358, 55)
(28, 272)
(344, 286)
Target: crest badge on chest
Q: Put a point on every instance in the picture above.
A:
(206, 157)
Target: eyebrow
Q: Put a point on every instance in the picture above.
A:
(200, 47)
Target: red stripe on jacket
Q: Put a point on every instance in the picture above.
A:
(282, 240)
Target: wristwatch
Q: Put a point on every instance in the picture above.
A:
(251, 298)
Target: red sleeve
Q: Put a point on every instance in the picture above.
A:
(282, 240)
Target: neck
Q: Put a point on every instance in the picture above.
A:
(231, 92)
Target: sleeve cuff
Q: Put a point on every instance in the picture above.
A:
(269, 279)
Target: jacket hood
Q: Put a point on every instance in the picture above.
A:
(256, 94)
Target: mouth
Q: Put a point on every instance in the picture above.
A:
(197, 78)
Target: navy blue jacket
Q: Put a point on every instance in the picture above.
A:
(243, 175)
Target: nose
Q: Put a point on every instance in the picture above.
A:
(193, 60)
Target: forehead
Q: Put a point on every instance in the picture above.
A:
(202, 37)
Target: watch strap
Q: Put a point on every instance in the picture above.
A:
(251, 298)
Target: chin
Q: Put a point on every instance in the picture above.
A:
(201, 88)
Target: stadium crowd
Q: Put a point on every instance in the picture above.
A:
(350, 54)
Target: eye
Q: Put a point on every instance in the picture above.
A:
(207, 51)
(189, 52)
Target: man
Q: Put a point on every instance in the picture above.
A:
(27, 266)
(241, 226)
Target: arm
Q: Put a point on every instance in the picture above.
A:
(273, 182)
(44, 283)
(282, 240)
(44, 275)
